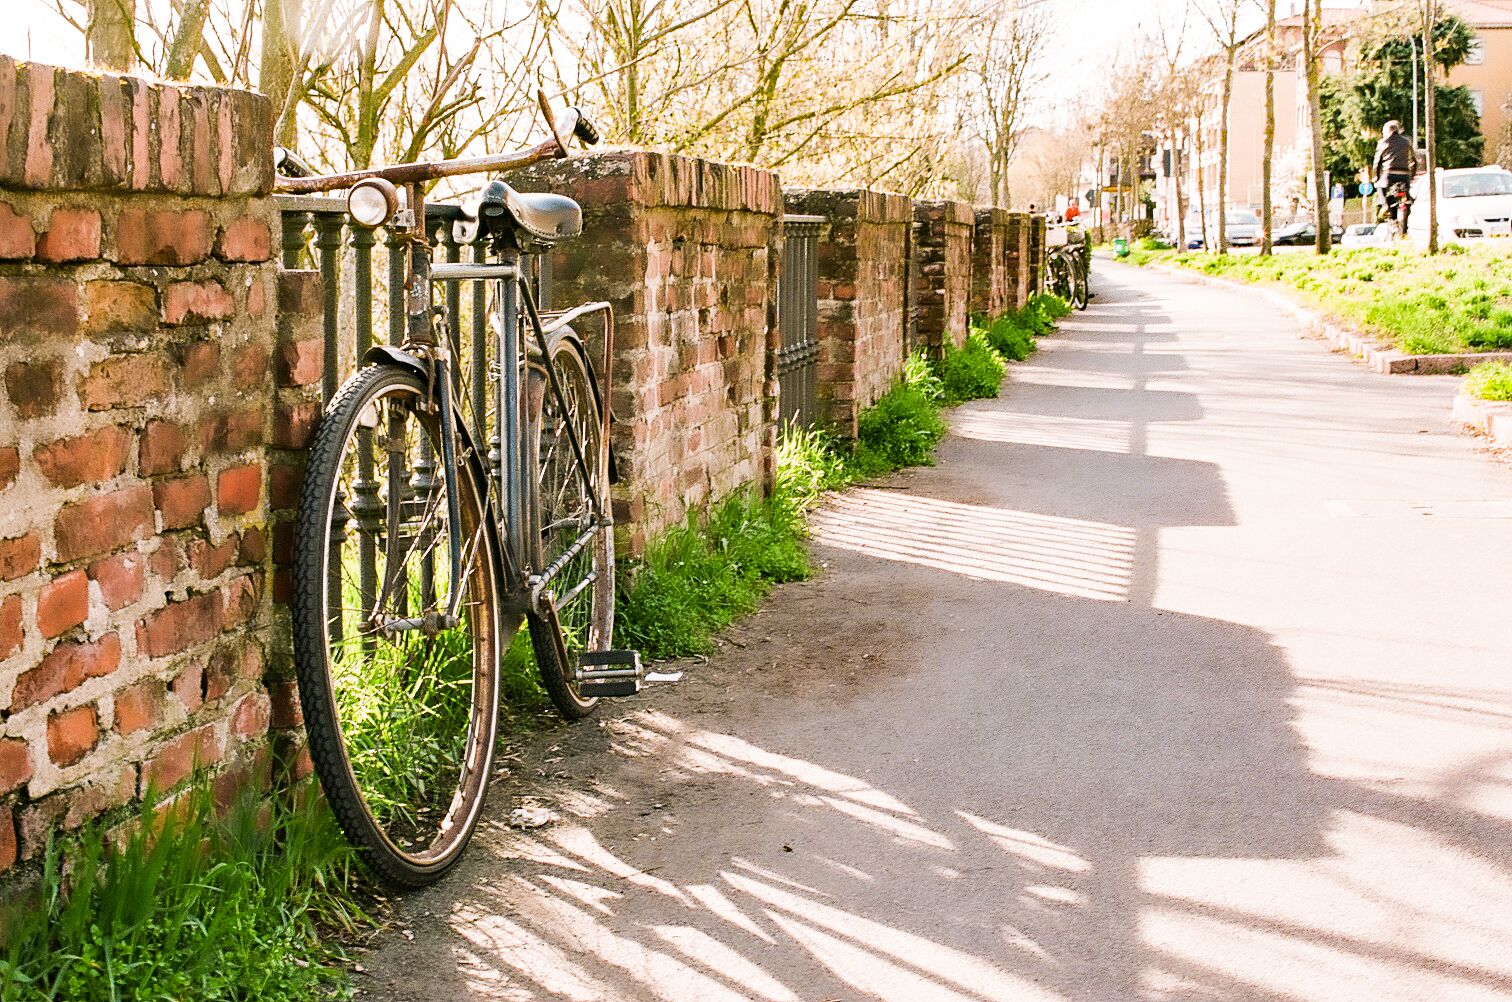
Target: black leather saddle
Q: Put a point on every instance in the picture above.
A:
(500, 211)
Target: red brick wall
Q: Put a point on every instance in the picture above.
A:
(864, 296)
(686, 251)
(942, 249)
(991, 292)
(140, 362)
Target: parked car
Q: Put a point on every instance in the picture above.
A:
(1193, 231)
(1297, 234)
(1240, 226)
(1368, 235)
(1474, 203)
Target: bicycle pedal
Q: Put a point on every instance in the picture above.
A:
(610, 673)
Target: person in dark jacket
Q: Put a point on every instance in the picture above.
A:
(1394, 166)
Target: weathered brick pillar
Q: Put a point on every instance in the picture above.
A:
(942, 258)
(1036, 255)
(686, 251)
(1016, 259)
(137, 300)
(991, 293)
(863, 296)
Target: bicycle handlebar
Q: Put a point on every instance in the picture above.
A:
(575, 124)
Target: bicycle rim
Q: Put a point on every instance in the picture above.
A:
(571, 539)
(400, 703)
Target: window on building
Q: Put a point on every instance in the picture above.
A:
(1476, 54)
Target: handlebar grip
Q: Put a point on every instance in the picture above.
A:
(584, 129)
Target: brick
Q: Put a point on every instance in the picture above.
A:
(189, 685)
(120, 579)
(19, 556)
(220, 672)
(85, 459)
(177, 760)
(41, 81)
(284, 485)
(124, 381)
(65, 668)
(210, 561)
(182, 501)
(241, 596)
(257, 299)
(199, 363)
(72, 734)
(7, 839)
(179, 626)
(300, 363)
(249, 367)
(113, 138)
(197, 303)
(119, 306)
(15, 764)
(294, 424)
(100, 524)
(34, 387)
(11, 632)
(38, 305)
(283, 543)
(245, 239)
(251, 716)
(164, 561)
(239, 490)
(161, 449)
(140, 707)
(10, 465)
(285, 709)
(72, 235)
(163, 238)
(253, 547)
(301, 294)
(63, 603)
(230, 432)
(18, 240)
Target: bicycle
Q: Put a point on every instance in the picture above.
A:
(433, 522)
(1068, 273)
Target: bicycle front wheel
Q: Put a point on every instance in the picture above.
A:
(399, 683)
(1060, 277)
(1079, 281)
(576, 543)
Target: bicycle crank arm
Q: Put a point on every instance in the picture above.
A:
(430, 624)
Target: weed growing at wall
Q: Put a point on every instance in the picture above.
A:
(971, 372)
(1012, 334)
(186, 907)
(1451, 304)
(1490, 381)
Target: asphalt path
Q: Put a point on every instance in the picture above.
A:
(1186, 674)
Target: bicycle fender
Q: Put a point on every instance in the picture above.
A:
(387, 354)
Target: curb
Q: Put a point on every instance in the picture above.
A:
(1362, 347)
(1492, 418)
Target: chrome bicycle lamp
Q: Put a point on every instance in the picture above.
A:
(373, 201)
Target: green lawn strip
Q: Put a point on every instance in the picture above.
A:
(1490, 381)
(1457, 303)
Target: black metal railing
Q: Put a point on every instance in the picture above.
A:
(797, 359)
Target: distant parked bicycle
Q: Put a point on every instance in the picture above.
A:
(1067, 265)
(436, 518)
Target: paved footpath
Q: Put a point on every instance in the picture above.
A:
(1185, 675)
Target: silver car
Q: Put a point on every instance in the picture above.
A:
(1241, 226)
(1474, 203)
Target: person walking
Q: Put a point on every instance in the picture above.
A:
(1394, 166)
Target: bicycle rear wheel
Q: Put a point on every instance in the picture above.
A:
(576, 544)
(1060, 276)
(400, 701)
(1079, 281)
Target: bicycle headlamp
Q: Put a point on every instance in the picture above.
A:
(373, 201)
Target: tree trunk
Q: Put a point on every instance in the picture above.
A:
(186, 39)
(1312, 10)
(1223, 148)
(109, 37)
(1181, 210)
(275, 74)
(1270, 128)
(1428, 125)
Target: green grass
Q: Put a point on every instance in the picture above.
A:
(187, 906)
(1490, 381)
(1456, 303)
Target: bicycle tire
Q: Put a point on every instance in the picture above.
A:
(1079, 281)
(401, 720)
(564, 515)
(1060, 276)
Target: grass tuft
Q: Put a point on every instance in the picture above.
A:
(1490, 381)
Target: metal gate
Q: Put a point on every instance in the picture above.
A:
(798, 321)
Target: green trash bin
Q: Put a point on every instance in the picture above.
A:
(1121, 247)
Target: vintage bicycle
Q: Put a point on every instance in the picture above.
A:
(440, 514)
(1067, 267)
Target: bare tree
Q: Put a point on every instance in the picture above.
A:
(1270, 128)
(109, 35)
(1312, 35)
(1222, 17)
(1429, 58)
(1007, 71)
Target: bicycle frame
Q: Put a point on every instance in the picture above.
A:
(429, 354)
